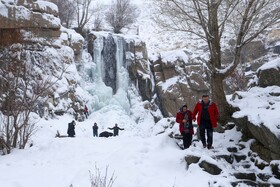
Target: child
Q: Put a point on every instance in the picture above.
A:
(184, 118)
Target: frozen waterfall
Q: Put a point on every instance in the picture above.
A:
(109, 74)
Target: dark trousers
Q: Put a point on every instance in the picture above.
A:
(206, 125)
(187, 140)
(86, 114)
(95, 134)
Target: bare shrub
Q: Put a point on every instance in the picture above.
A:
(84, 12)
(97, 23)
(121, 14)
(99, 180)
(22, 87)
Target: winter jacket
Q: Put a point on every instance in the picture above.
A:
(71, 129)
(95, 129)
(86, 109)
(179, 119)
(105, 134)
(116, 130)
(212, 110)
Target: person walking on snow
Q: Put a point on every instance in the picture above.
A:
(116, 129)
(207, 118)
(86, 111)
(184, 118)
(95, 130)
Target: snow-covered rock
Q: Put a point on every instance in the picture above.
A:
(40, 14)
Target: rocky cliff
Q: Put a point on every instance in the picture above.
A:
(31, 31)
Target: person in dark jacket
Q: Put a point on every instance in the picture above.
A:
(95, 130)
(184, 118)
(207, 118)
(71, 129)
(105, 134)
(116, 129)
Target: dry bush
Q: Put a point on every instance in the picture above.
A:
(121, 14)
(99, 180)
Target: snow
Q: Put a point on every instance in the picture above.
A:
(136, 157)
(271, 64)
(71, 34)
(143, 155)
(172, 56)
(168, 83)
(260, 106)
(3, 10)
(45, 5)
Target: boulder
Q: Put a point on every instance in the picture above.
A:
(268, 148)
(238, 157)
(269, 77)
(229, 158)
(249, 53)
(275, 168)
(191, 159)
(245, 183)
(248, 176)
(210, 168)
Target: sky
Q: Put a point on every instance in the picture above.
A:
(143, 155)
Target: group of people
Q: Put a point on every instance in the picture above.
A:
(105, 133)
(205, 112)
(71, 129)
(207, 117)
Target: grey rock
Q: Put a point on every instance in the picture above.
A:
(191, 159)
(269, 77)
(210, 168)
(248, 176)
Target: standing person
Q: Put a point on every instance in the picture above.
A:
(71, 129)
(95, 130)
(184, 118)
(207, 119)
(86, 111)
(116, 129)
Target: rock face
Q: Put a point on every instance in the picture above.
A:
(32, 29)
(29, 14)
(179, 81)
(139, 68)
(268, 149)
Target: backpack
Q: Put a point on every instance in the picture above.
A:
(187, 126)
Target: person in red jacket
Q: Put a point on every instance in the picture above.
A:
(207, 118)
(86, 111)
(184, 118)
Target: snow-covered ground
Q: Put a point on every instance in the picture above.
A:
(140, 156)
(136, 158)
